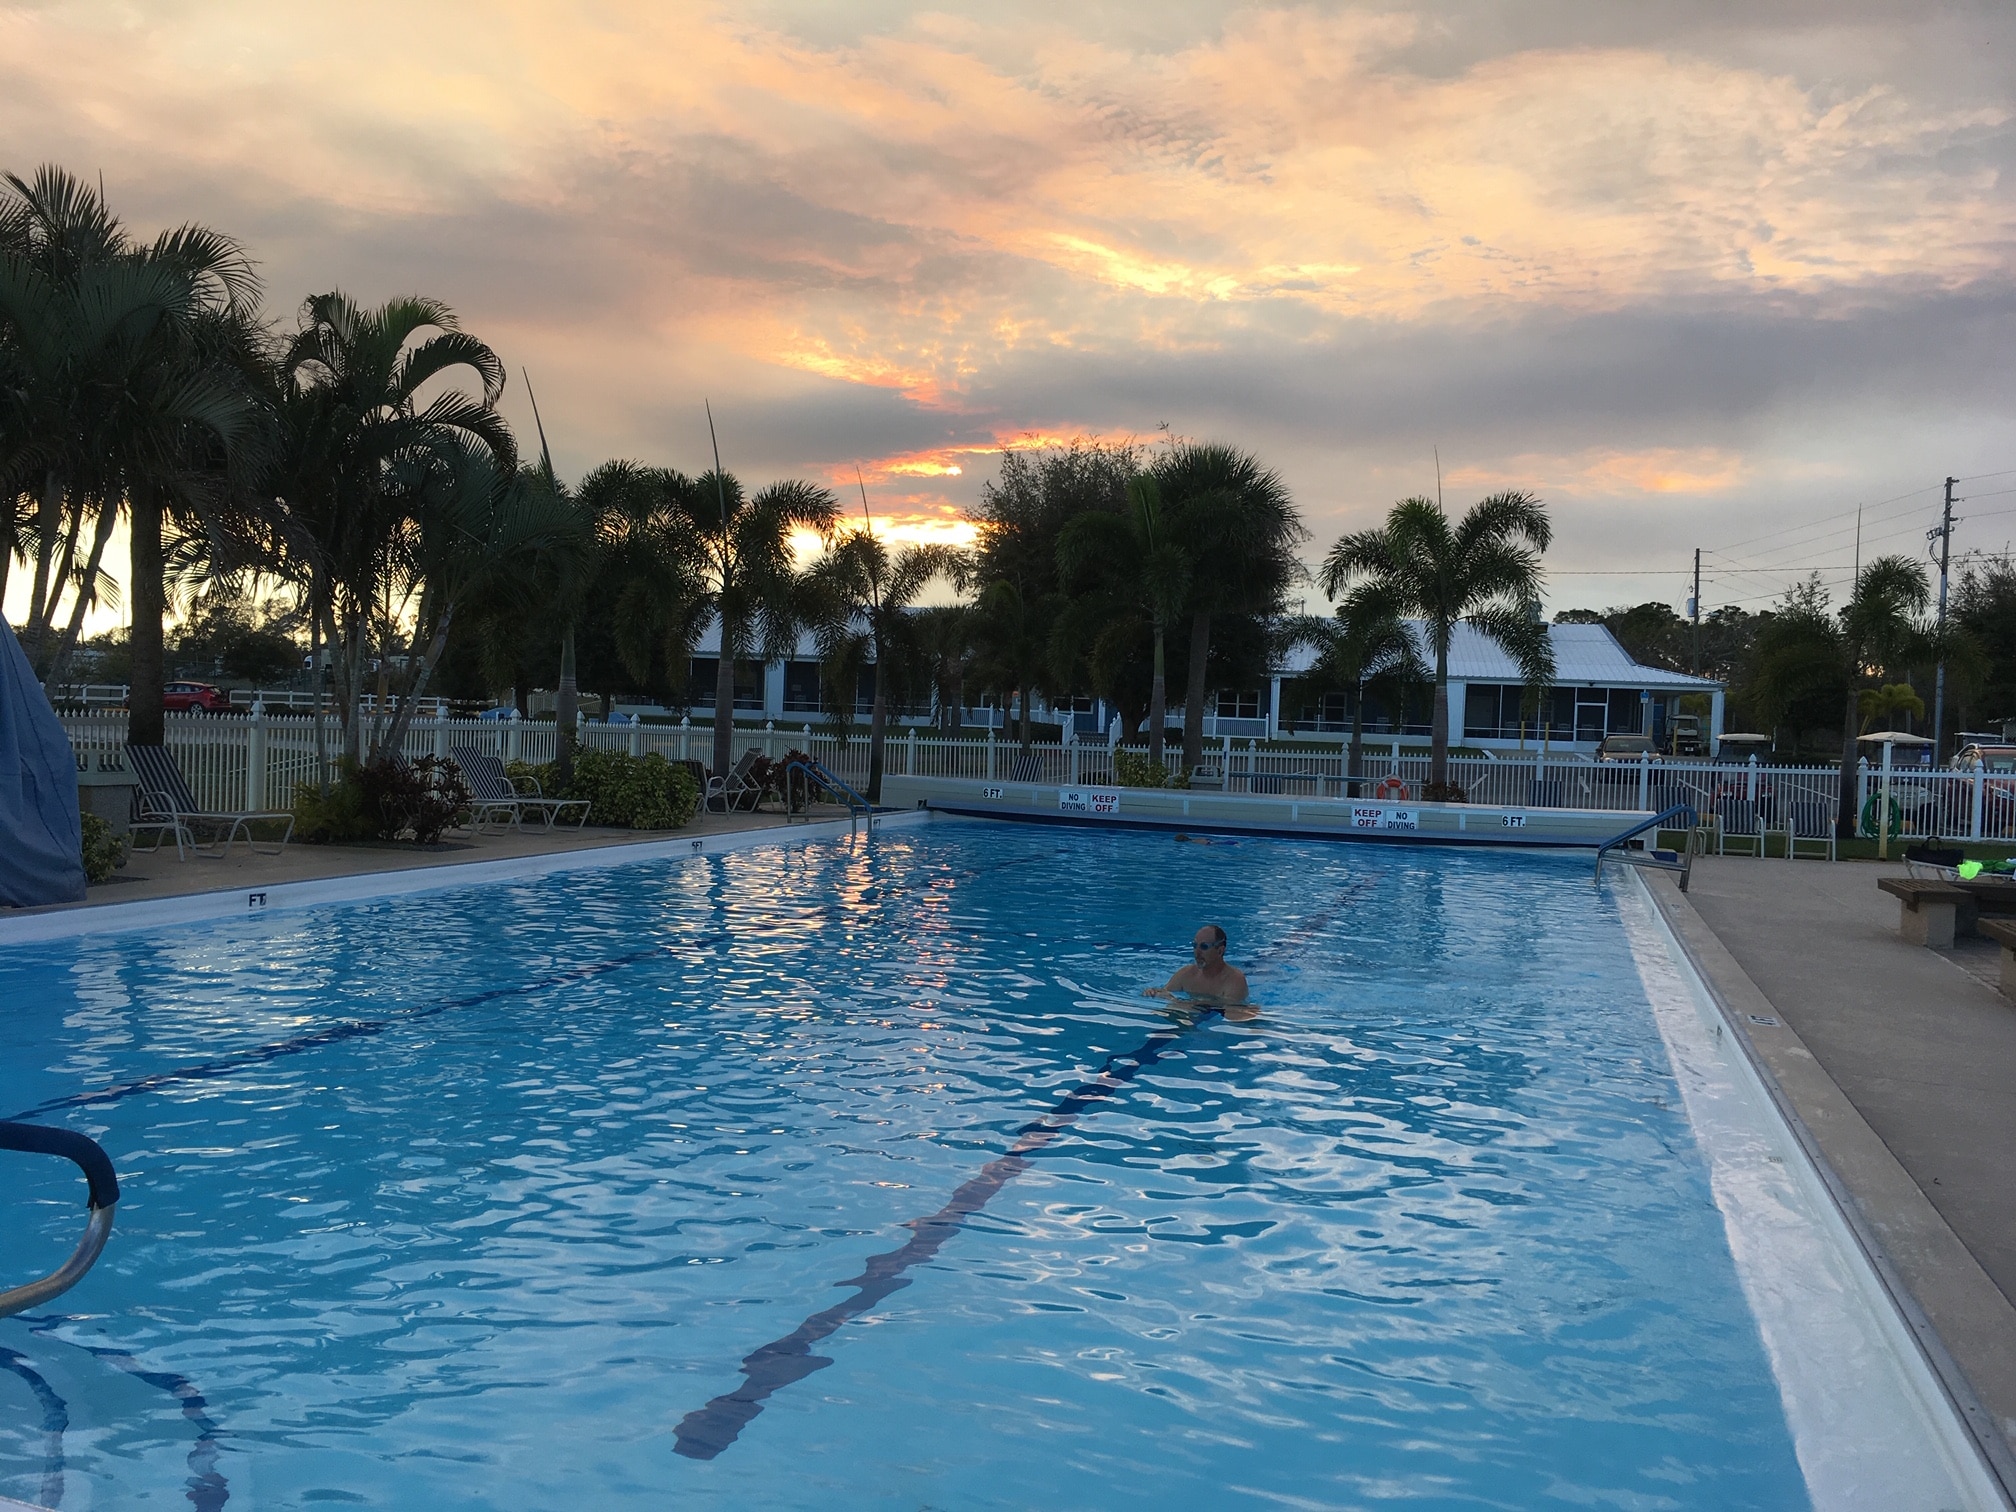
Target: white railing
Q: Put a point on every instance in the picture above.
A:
(254, 762)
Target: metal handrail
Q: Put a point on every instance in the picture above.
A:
(1656, 822)
(103, 1181)
(858, 808)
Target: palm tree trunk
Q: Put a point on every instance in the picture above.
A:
(316, 642)
(147, 719)
(1158, 698)
(566, 711)
(45, 552)
(59, 666)
(1357, 764)
(1193, 700)
(395, 737)
(724, 703)
(1851, 726)
(1028, 718)
(878, 719)
(1438, 748)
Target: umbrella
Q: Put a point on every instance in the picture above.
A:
(1898, 737)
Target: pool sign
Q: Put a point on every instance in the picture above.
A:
(1088, 801)
(1377, 816)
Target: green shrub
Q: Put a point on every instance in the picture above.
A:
(342, 816)
(104, 849)
(1138, 769)
(631, 792)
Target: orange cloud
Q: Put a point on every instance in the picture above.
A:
(1602, 472)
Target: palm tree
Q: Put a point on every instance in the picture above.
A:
(1363, 645)
(1236, 525)
(945, 636)
(864, 595)
(745, 573)
(1880, 629)
(125, 385)
(646, 574)
(364, 453)
(1012, 630)
(1138, 556)
(1484, 572)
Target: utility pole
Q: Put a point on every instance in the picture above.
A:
(1943, 534)
(1694, 610)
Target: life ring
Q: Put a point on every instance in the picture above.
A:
(1391, 788)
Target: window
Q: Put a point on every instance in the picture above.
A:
(1244, 705)
(748, 683)
(801, 687)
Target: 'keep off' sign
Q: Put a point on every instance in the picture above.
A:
(1366, 816)
(1088, 801)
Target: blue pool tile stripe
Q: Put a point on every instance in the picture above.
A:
(704, 1433)
(708, 1430)
(350, 1029)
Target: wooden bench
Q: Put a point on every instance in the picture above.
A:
(2003, 933)
(1929, 909)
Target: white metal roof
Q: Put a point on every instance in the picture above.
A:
(1584, 656)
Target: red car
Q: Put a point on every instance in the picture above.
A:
(182, 696)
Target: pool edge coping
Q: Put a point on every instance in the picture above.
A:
(254, 900)
(1889, 1199)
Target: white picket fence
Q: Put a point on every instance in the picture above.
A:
(254, 762)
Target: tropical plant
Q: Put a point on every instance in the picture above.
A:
(122, 388)
(1483, 571)
(379, 487)
(629, 792)
(1881, 706)
(1363, 646)
(945, 639)
(1138, 555)
(745, 573)
(1235, 525)
(861, 595)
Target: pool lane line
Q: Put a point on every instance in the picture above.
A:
(348, 1029)
(55, 1423)
(707, 1431)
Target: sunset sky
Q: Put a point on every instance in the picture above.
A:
(1699, 274)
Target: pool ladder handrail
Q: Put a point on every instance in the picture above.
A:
(103, 1182)
(858, 808)
(1658, 860)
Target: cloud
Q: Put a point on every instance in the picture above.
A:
(1673, 264)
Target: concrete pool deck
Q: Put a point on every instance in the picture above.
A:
(150, 875)
(1901, 1064)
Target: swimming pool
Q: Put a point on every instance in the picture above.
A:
(484, 1198)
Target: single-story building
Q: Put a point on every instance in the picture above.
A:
(1598, 690)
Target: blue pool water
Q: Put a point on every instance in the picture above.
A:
(468, 1199)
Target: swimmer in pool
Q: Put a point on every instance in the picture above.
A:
(1210, 980)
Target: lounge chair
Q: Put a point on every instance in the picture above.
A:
(1026, 769)
(1933, 861)
(1808, 831)
(737, 790)
(1740, 825)
(1206, 779)
(495, 793)
(166, 806)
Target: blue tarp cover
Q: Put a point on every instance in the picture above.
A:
(41, 836)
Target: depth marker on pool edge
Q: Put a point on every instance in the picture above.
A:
(706, 1431)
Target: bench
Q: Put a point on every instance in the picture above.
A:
(1929, 909)
(2003, 933)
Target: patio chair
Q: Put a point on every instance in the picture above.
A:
(1808, 832)
(495, 793)
(1933, 861)
(737, 790)
(1741, 826)
(166, 806)
(1206, 779)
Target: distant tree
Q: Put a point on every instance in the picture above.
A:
(224, 636)
(860, 596)
(1984, 606)
(1362, 646)
(944, 635)
(1234, 523)
(1483, 571)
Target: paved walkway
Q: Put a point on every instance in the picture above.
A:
(1924, 1049)
(160, 874)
